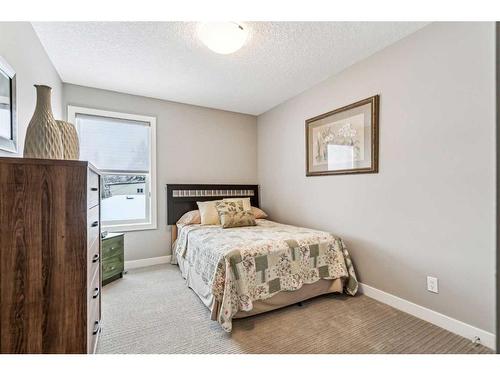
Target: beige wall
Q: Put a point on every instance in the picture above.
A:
(194, 145)
(21, 48)
(430, 210)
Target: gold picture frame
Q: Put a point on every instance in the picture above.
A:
(345, 140)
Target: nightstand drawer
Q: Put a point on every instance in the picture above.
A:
(112, 266)
(112, 247)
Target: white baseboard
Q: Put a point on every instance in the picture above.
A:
(431, 316)
(139, 263)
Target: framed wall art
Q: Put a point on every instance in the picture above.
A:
(344, 141)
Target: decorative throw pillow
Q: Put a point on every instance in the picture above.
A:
(208, 213)
(190, 217)
(232, 214)
(258, 213)
(246, 202)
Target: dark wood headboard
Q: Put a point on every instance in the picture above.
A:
(182, 198)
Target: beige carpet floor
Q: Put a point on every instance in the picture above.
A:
(151, 310)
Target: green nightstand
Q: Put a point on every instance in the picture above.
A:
(112, 257)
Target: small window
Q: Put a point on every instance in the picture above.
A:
(122, 146)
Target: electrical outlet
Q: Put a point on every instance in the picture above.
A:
(432, 284)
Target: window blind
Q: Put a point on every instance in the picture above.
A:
(114, 144)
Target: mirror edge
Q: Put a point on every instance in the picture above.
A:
(10, 145)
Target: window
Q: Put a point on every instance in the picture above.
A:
(122, 146)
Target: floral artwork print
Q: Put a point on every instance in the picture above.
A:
(348, 132)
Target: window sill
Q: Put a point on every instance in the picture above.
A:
(129, 227)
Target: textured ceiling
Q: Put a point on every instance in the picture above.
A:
(166, 60)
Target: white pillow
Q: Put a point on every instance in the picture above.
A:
(208, 213)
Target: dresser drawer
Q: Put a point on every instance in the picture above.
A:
(93, 226)
(94, 324)
(112, 247)
(92, 189)
(94, 289)
(94, 312)
(93, 259)
(112, 266)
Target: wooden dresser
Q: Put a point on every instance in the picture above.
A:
(50, 251)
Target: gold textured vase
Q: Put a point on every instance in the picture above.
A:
(43, 138)
(69, 138)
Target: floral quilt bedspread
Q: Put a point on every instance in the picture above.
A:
(246, 264)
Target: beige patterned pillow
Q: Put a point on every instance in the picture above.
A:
(232, 214)
(246, 202)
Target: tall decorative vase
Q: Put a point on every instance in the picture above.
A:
(69, 138)
(43, 138)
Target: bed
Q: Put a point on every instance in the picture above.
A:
(239, 272)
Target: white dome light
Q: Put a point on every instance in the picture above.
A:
(222, 37)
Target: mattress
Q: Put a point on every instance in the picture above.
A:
(239, 272)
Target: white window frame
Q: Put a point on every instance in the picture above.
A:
(152, 222)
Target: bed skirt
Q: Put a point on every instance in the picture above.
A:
(277, 301)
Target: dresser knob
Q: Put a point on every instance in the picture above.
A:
(95, 258)
(96, 293)
(94, 189)
(95, 224)
(96, 327)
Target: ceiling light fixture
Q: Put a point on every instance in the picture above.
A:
(223, 37)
